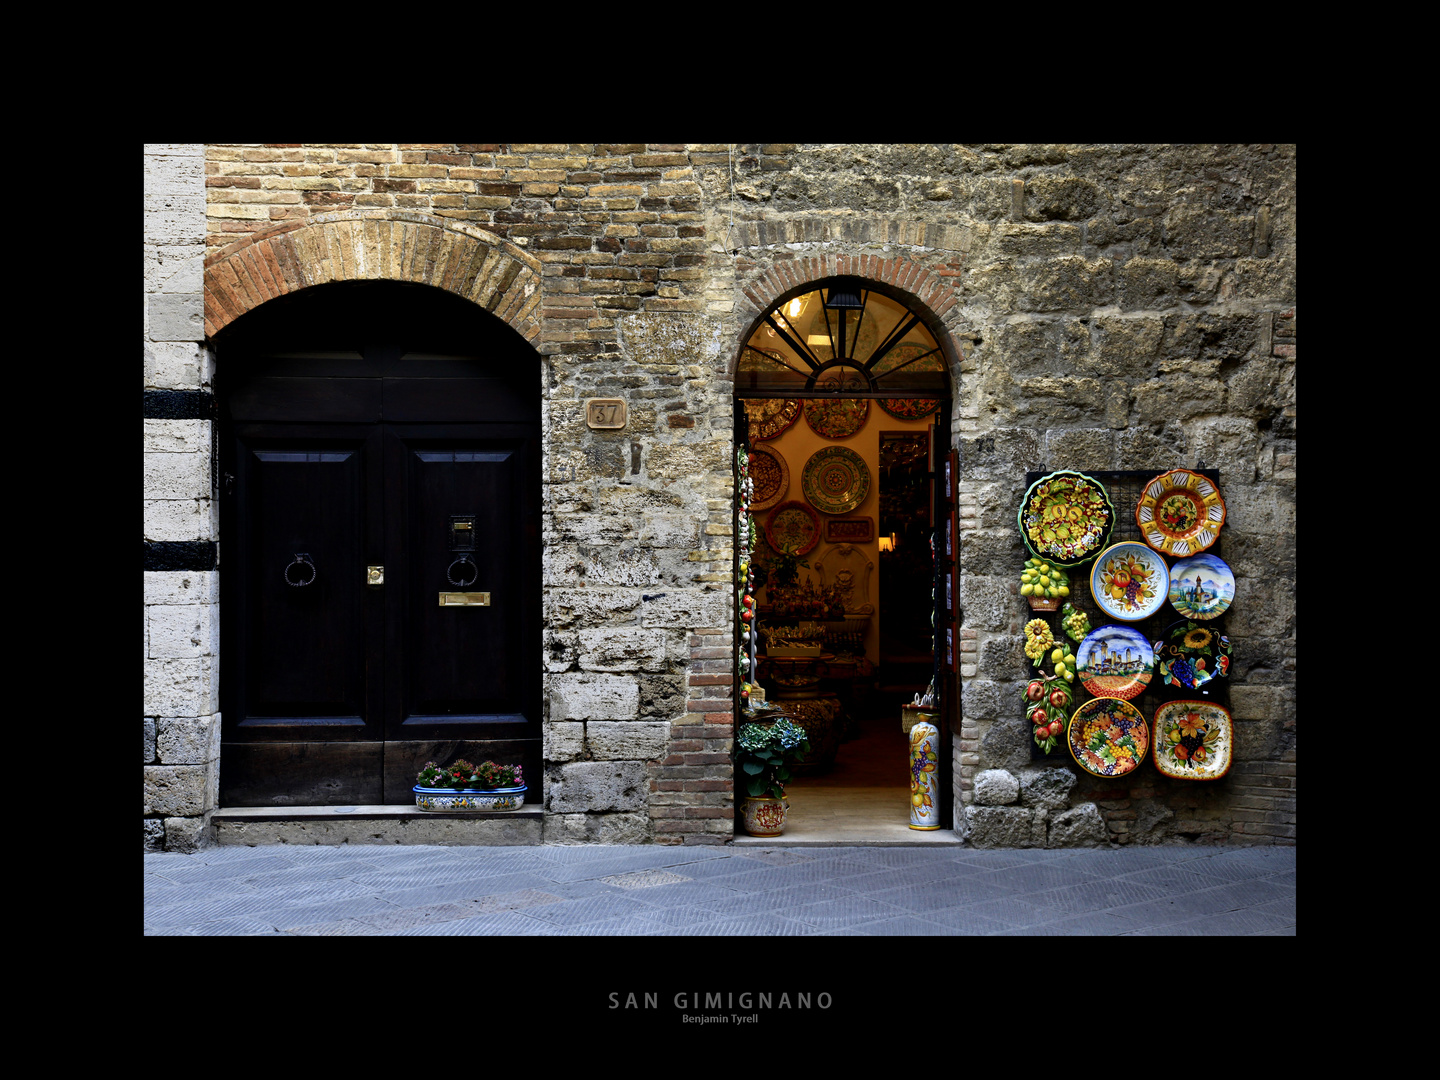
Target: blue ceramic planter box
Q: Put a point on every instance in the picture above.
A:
(486, 799)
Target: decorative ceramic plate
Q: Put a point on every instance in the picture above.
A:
(1193, 740)
(793, 527)
(1066, 517)
(905, 356)
(1108, 737)
(1192, 654)
(769, 417)
(1180, 512)
(1201, 587)
(1129, 581)
(771, 477)
(836, 418)
(1115, 661)
(836, 480)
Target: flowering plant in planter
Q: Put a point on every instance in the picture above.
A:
(462, 774)
(764, 750)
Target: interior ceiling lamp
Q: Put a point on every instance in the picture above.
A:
(844, 295)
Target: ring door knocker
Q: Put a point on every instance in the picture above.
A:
(462, 543)
(301, 560)
(462, 561)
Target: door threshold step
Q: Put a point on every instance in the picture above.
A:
(351, 813)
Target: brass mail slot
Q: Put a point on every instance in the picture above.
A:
(464, 599)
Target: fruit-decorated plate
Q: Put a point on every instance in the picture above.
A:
(1066, 517)
(771, 476)
(793, 528)
(1193, 740)
(836, 418)
(1115, 661)
(1108, 737)
(1192, 654)
(836, 480)
(1129, 581)
(770, 417)
(1201, 587)
(1180, 513)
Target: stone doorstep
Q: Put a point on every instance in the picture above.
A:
(331, 825)
(917, 838)
(353, 813)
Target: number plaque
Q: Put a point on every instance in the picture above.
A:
(605, 413)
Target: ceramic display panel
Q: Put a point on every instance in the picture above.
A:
(1115, 661)
(1194, 740)
(1180, 513)
(1129, 581)
(1108, 737)
(1202, 587)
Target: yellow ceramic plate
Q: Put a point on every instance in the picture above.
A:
(1180, 513)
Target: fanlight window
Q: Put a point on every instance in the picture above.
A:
(842, 338)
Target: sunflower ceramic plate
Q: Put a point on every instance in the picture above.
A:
(1201, 587)
(1066, 517)
(1193, 740)
(769, 417)
(1180, 513)
(1108, 737)
(793, 528)
(836, 480)
(771, 477)
(836, 418)
(1115, 661)
(1192, 654)
(1129, 581)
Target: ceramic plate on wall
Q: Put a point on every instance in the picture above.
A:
(1180, 513)
(793, 527)
(1201, 587)
(770, 417)
(836, 480)
(1066, 517)
(836, 418)
(1193, 740)
(771, 476)
(1192, 654)
(1108, 737)
(1115, 661)
(1129, 581)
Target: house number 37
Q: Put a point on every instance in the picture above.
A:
(605, 412)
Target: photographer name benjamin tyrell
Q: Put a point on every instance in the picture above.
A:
(758, 1000)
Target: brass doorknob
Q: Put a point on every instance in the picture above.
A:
(375, 575)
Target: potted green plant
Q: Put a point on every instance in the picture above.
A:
(764, 750)
(463, 786)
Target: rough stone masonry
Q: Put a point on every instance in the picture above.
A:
(1106, 306)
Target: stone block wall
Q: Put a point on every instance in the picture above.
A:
(1100, 306)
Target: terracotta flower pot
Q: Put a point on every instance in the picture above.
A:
(763, 816)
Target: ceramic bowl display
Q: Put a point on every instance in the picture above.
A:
(793, 527)
(1180, 513)
(452, 799)
(1129, 581)
(836, 480)
(1108, 737)
(1115, 661)
(770, 475)
(1192, 654)
(1193, 740)
(1066, 517)
(1201, 587)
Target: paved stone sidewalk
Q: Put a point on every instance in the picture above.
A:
(660, 890)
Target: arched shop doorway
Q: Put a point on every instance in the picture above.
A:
(843, 406)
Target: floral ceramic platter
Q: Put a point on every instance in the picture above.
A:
(1192, 654)
(1193, 740)
(1115, 661)
(836, 480)
(793, 528)
(770, 475)
(906, 356)
(1066, 517)
(1108, 737)
(1129, 581)
(769, 417)
(836, 418)
(1180, 512)
(1201, 587)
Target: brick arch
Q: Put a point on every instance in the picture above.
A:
(374, 245)
(934, 294)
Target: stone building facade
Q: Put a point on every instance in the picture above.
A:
(1101, 307)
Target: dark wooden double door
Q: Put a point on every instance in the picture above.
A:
(362, 488)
